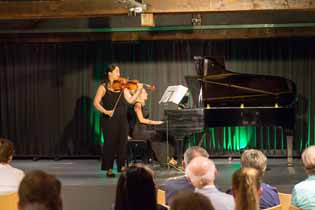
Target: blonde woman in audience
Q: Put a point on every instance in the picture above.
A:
(253, 158)
(246, 189)
(303, 194)
(187, 200)
(10, 177)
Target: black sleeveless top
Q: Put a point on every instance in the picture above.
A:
(109, 100)
(132, 117)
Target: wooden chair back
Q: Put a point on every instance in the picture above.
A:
(9, 201)
(161, 197)
(279, 207)
(166, 206)
(294, 208)
(285, 200)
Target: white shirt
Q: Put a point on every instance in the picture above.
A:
(10, 178)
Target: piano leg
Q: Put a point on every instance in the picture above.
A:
(179, 150)
(289, 150)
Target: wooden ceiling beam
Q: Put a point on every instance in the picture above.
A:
(215, 34)
(12, 10)
(149, 36)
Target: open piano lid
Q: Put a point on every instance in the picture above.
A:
(218, 87)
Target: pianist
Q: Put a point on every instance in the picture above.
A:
(139, 122)
(140, 126)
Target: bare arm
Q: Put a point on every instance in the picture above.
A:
(138, 110)
(97, 101)
(131, 99)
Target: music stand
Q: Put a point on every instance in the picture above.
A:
(173, 94)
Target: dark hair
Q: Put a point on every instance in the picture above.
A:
(136, 190)
(110, 68)
(121, 193)
(187, 200)
(35, 206)
(6, 150)
(40, 188)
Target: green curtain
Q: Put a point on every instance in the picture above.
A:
(47, 89)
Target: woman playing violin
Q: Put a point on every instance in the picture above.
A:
(112, 103)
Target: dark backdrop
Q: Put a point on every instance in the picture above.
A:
(47, 89)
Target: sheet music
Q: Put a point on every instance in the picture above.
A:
(174, 94)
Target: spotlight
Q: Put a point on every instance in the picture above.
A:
(134, 7)
(196, 20)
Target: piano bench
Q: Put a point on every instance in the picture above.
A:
(138, 150)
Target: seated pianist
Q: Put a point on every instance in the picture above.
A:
(139, 123)
(143, 128)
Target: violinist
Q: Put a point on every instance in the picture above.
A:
(111, 100)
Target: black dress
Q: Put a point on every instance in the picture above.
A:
(156, 141)
(139, 130)
(115, 130)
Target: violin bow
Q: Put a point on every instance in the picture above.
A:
(117, 101)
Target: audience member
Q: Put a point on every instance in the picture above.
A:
(35, 206)
(303, 193)
(10, 177)
(136, 190)
(253, 158)
(41, 191)
(174, 185)
(246, 189)
(201, 172)
(187, 200)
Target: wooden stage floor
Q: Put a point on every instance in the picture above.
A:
(85, 186)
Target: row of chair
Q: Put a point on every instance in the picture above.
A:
(280, 207)
(9, 201)
(285, 201)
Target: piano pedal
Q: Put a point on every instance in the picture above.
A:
(178, 168)
(174, 164)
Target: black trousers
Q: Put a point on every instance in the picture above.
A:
(115, 132)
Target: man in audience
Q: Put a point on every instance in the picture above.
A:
(175, 185)
(41, 191)
(10, 177)
(253, 158)
(303, 194)
(201, 172)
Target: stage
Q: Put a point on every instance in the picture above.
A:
(85, 187)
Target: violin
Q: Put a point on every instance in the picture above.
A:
(122, 83)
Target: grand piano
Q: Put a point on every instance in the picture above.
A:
(225, 98)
